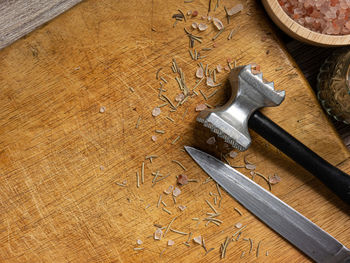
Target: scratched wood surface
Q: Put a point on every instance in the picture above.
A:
(60, 158)
(18, 18)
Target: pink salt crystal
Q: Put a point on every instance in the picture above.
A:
(215, 45)
(227, 68)
(201, 107)
(275, 179)
(218, 24)
(194, 13)
(179, 97)
(139, 242)
(182, 207)
(194, 25)
(182, 179)
(198, 240)
(252, 173)
(169, 190)
(176, 192)
(229, 60)
(202, 27)
(102, 109)
(210, 82)
(250, 166)
(158, 234)
(156, 111)
(219, 68)
(322, 16)
(209, 18)
(234, 10)
(154, 138)
(199, 73)
(170, 242)
(233, 154)
(238, 225)
(211, 141)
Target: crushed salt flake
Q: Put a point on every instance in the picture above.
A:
(182, 179)
(218, 24)
(201, 107)
(219, 68)
(158, 234)
(202, 27)
(179, 97)
(233, 154)
(209, 18)
(198, 240)
(182, 207)
(238, 225)
(250, 166)
(139, 242)
(102, 109)
(275, 179)
(210, 82)
(227, 68)
(211, 140)
(170, 242)
(199, 73)
(234, 10)
(154, 138)
(156, 111)
(194, 25)
(169, 190)
(252, 173)
(176, 192)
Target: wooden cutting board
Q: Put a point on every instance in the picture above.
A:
(60, 157)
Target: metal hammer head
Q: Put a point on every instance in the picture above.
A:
(249, 93)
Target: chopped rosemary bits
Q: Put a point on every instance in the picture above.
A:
(175, 140)
(218, 34)
(157, 74)
(211, 206)
(238, 211)
(170, 119)
(138, 122)
(160, 131)
(166, 210)
(143, 172)
(180, 164)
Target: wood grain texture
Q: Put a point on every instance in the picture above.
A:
(60, 157)
(19, 17)
(300, 32)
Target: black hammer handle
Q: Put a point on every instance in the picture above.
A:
(335, 179)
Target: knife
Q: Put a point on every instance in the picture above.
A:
(293, 226)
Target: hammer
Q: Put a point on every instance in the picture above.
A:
(231, 121)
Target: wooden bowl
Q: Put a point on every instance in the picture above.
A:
(297, 31)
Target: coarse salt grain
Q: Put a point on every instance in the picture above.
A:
(176, 192)
(169, 190)
(233, 154)
(238, 225)
(275, 179)
(182, 179)
(158, 234)
(218, 24)
(179, 97)
(198, 240)
(210, 82)
(182, 207)
(234, 10)
(102, 109)
(170, 242)
(201, 107)
(202, 27)
(139, 242)
(156, 111)
(199, 73)
(219, 68)
(211, 141)
(194, 25)
(154, 138)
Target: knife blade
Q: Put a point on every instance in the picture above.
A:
(285, 220)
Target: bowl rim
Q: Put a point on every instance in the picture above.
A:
(295, 30)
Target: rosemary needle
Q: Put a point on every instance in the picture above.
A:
(218, 34)
(180, 164)
(168, 227)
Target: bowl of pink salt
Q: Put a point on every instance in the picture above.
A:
(317, 22)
